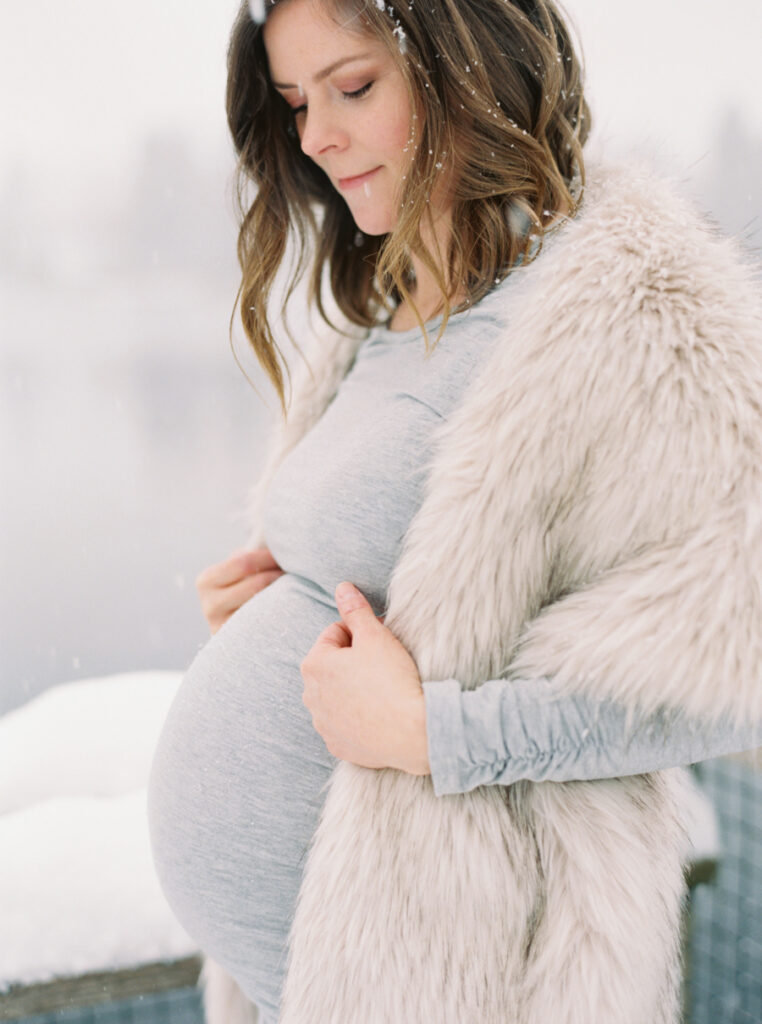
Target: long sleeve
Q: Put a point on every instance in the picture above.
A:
(508, 730)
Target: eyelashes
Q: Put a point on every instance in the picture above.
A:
(358, 92)
(356, 95)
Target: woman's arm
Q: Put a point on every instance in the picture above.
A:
(368, 703)
(508, 730)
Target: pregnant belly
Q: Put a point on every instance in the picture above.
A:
(236, 785)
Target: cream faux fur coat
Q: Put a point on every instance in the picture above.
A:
(593, 514)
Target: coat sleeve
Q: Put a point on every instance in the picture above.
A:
(652, 595)
(678, 625)
(507, 730)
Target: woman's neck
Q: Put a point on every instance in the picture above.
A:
(426, 293)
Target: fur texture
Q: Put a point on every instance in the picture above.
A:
(593, 514)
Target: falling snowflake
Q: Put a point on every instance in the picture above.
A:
(257, 11)
(518, 220)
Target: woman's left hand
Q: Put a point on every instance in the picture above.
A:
(364, 691)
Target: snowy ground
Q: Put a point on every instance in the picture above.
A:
(78, 889)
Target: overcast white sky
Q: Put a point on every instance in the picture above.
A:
(82, 82)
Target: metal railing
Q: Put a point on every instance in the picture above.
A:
(724, 947)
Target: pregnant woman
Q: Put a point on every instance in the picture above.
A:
(448, 792)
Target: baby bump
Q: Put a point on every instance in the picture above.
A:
(236, 785)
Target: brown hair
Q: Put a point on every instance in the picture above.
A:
(500, 89)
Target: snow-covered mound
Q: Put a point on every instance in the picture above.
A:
(94, 737)
(78, 891)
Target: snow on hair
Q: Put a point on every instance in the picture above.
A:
(257, 11)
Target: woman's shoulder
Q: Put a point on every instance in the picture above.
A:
(642, 221)
(637, 307)
(638, 253)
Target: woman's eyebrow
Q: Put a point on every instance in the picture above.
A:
(326, 71)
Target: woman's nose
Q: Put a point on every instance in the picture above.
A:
(321, 131)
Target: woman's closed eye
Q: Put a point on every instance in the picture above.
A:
(356, 95)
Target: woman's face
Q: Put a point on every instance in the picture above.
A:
(351, 107)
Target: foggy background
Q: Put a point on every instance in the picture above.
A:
(128, 435)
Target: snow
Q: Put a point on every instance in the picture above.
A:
(700, 819)
(518, 219)
(94, 737)
(78, 889)
(79, 892)
(257, 11)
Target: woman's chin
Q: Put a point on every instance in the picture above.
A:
(372, 222)
(373, 230)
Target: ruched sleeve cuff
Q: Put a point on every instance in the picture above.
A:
(523, 729)
(495, 734)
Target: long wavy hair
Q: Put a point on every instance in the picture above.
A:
(499, 88)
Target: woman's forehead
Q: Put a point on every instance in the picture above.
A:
(330, 17)
(312, 37)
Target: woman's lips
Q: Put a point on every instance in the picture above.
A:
(360, 179)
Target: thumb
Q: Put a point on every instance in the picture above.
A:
(355, 611)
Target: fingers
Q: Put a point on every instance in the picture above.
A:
(259, 560)
(240, 592)
(264, 579)
(218, 604)
(224, 587)
(335, 635)
(236, 567)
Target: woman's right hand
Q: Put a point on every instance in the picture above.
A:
(224, 587)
